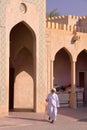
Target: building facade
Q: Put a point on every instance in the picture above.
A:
(22, 55)
(36, 54)
(67, 53)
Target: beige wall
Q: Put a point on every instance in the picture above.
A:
(62, 38)
(25, 46)
(58, 39)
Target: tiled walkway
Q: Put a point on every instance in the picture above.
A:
(68, 119)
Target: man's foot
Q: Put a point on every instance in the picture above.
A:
(52, 121)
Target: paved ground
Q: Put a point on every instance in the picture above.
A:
(68, 119)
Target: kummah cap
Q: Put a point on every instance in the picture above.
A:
(53, 89)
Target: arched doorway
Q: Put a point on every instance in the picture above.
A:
(81, 69)
(62, 68)
(22, 68)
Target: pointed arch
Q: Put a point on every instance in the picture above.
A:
(62, 67)
(27, 26)
(20, 59)
(18, 28)
(84, 50)
(67, 51)
(81, 73)
(23, 62)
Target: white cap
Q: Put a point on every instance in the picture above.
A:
(53, 89)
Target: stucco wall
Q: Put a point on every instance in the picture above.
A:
(63, 38)
(11, 13)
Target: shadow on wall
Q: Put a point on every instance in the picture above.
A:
(75, 37)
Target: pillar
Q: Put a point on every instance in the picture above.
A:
(73, 85)
(51, 74)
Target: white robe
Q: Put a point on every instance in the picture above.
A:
(53, 103)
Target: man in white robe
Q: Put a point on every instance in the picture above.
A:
(53, 104)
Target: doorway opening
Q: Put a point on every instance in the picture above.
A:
(22, 70)
(62, 68)
(81, 77)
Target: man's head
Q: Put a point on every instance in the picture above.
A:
(53, 90)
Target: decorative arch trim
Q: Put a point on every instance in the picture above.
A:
(83, 50)
(32, 32)
(67, 51)
(27, 25)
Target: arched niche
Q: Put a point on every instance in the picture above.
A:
(81, 73)
(62, 68)
(22, 66)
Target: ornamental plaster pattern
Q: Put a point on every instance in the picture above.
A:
(2, 52)
(40, 78)
(2, 13)
(2, 66)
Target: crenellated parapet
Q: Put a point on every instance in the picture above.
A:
(53, 25)
(83, 21)
(66, 17)
(57, 18)
(63, 19)
(83, 17)
(70, 23)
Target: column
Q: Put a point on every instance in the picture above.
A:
(73, 85)
(51, 74)
(48, 69)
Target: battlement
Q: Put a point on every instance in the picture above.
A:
(71, 23)
(66, 17)
(53, 25)
(56, 17)
(69, 20)
(59, 19)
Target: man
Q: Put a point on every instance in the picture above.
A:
(53, 104)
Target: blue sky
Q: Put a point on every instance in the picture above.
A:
(68, 7)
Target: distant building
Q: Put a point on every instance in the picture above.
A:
(36, 54)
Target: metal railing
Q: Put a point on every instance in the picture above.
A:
(64, 98)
